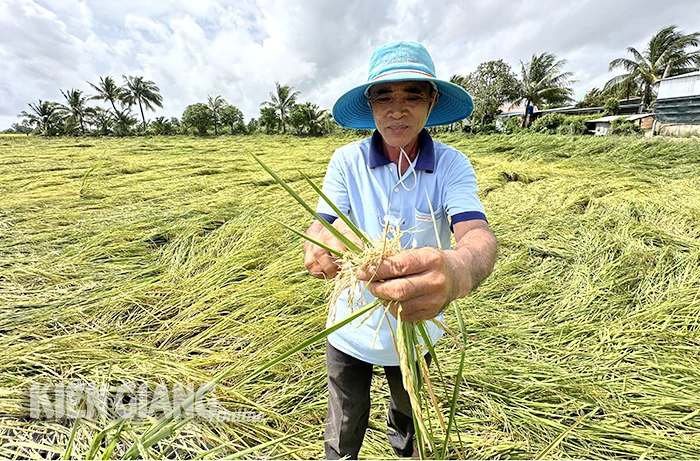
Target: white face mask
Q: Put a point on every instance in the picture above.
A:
(412, 167)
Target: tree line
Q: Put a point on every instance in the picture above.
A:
(542, 83)
(75, 117)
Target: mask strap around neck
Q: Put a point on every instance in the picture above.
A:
(412, 166)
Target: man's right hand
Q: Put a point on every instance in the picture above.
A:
(318, 261)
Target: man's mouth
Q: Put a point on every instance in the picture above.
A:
(396, 129)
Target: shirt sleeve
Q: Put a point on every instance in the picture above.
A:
(460, 191)
(335, 188)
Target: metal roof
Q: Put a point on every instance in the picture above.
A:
(608, 118)
(689, 74)
(680, 86)
(573, 110)
(638, 116)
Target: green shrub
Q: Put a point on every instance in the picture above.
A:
(511, 125)
(561, 124)
(485, 128)
(622, 127)
(611, 107)
(548, 124)
(479, 128)
(572, 127)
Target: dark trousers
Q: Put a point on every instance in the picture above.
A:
(349, 381)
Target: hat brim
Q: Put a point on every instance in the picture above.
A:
(351, 110)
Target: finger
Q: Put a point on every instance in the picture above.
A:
(320, 264)
(355, 239)
(403, 264)
(349, 234)
(422, 307)
(311, 264)
(314, 269)
(405, 288)
(318, 274)
(327, 264)
(333, 244)
(327, 238)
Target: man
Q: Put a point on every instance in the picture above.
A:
(397, 176)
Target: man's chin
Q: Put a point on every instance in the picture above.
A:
(397, 140)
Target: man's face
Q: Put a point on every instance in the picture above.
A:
(400, 110)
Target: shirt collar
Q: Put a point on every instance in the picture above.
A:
(426, 159)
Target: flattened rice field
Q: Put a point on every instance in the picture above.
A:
(156, 260)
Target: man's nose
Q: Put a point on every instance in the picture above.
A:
(397, 109)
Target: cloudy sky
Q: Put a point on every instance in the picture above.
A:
(239, 48)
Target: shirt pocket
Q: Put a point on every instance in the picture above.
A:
(423, 232)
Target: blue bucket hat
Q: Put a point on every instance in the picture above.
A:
(395, 62)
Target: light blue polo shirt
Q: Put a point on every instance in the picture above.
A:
(364, 185)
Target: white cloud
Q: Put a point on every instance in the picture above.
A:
(239, 48)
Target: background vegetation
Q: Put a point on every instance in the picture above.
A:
(542, 83)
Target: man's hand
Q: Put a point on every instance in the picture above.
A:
(318, 261)
(425, 280)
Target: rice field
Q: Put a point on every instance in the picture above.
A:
(157, 260)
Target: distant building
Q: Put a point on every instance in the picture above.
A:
(601, 126)
(511, 110)
(678, 105)
(646, 121)
(627, 107)
(629, 110)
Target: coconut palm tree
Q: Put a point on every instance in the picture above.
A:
(43, 117)
(458, 80)
(543, 82)
(681, 60)
(107, 91)
(102, 120)
(282, 102)
(142, 92)
(216, 105)
(124, 121)
(665, 55)
(315, 118)
(74, 112)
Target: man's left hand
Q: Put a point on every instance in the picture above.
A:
(423, 280)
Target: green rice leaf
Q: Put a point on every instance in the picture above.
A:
(71, 440)
(451, 421)
(97, 440)
(312, 240)
(113, 444)
(361, 235)
(313, 339)
(336, 233)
